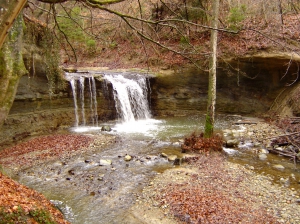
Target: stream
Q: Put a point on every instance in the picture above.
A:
(87, 191)
(100, 185)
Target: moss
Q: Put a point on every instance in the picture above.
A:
(209, 127)
(42, 37)
(19, 215)
(11, 67)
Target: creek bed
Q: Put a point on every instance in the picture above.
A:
(88, 190)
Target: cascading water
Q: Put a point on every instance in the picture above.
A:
(93, 100)
(81, 81)
(130, 95)
(131, 101)
(78, 89)
(74, 88)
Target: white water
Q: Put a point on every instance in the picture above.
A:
(81, 81)
(130, 97)
(130, 93)
(78, 82)
(93, 103)
(148, 127)
(74, 87)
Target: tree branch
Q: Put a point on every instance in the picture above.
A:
(97, 2)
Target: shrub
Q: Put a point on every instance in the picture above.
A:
(236, 16)
(91, 46)
(21, 216)
(197, 143)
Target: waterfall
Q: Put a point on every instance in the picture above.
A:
(78, 90)
(93, 101)
(74, 88)
(81, 81)
(130, 95)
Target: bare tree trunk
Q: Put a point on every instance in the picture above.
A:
(210, 116)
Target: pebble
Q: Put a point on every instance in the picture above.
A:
(232, 143)
(164, 155)
(264, 151)
(278, 167)
(172, 158)
(105, 162)
(262, 156)
(127, 158)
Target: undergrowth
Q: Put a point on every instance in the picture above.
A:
(20, 216)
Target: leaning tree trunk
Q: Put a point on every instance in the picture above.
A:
(210, 116)
(11, 67)
(8, 14)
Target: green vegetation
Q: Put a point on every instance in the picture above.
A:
(235, 17)
(72, 25)
(37, 34)
(184, 40)
(20, 216)
(209, 127)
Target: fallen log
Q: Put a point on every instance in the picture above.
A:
(292, 155)
(245, 122)
(289, 134)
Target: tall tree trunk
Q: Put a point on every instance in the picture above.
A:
(210, 116)
(11, 67)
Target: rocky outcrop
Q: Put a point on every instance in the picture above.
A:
(246, 85)
(35, 111)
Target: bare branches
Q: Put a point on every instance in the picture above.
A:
(63, 33)
(98, 2)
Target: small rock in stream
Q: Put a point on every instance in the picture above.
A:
(105, 162)
(164, 155)
(278, 167)
(172, 158)
(262, 156)
(231, 143)
(127, 158)
(106, 128)
(264, 151)
(178, 161)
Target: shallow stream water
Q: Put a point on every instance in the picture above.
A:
(87, 192)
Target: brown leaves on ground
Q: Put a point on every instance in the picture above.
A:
(19, 204)
(42, 149)
(212, 197)
(15, 197)
(197, 143)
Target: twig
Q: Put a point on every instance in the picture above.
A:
(294, 133)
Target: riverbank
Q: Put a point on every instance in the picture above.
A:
(213, 190)
(210, 190)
